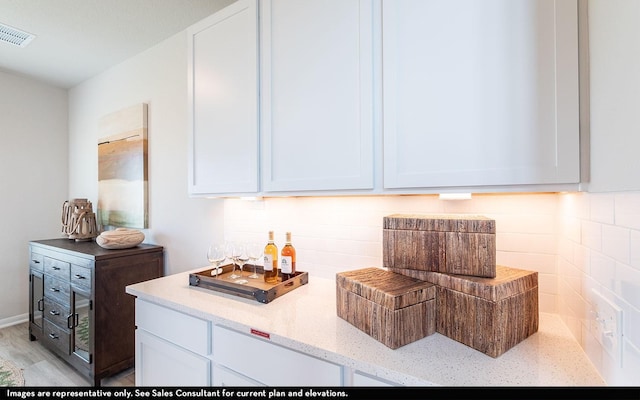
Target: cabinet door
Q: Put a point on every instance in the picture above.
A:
(36, 303)
(480, 93)
(316, 95)
(161, 363)
(82, 325)
(223, 101)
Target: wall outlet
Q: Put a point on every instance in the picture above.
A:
(607, 325)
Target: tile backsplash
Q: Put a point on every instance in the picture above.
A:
(575, 241)
(599, 248)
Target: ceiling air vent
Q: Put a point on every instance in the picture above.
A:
(14, 36)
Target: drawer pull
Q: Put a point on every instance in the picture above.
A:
(78, 276)
(35, 261)
(53, 289)
(56, 268)
(54, 312)
(53, 336)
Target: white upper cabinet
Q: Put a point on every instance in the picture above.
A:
(317, 95)
(480, 93)
(223, 102)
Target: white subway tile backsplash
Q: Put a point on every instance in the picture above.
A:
(603, 269)
(529, 223)
(543, 263)
(627, 285)
(615, 242)
(591, 235)
(523, 243)
(627, 210)
(601, 208)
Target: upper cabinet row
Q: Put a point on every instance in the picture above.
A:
(301, 97)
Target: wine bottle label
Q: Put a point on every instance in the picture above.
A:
(285, 264)
(268, 262)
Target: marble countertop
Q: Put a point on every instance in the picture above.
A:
(306, 320)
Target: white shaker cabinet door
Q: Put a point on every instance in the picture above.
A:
(162, 363)
(223, 101)
(316, 95)
(480, 93)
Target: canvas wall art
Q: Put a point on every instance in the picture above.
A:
(122, 169)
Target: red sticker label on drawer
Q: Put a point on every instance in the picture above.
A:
(260, 333)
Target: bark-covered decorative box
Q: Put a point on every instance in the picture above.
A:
(391, 308)
(489, 315)
(448, 243)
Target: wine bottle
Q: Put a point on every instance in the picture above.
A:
(288, 259)
(271, 261)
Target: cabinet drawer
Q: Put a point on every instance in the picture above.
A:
(57, 268)
(56, 289)
(279, 366)
(81, 276)
(57, 336)
(181, 329)
(36, 261)
(56, 312)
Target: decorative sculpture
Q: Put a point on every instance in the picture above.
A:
(79, 220)
(120, 238)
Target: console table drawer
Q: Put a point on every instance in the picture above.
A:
(57, 268)
(81, 276)
(58, 336)
(56, 289)
(37, 261)
(56, 312)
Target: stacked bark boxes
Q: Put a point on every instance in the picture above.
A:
(488, 307)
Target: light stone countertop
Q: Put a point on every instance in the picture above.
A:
(306, 320)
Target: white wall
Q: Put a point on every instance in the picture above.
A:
(33, 175)
(157, 77)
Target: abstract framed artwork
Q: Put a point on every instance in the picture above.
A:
(122, 169)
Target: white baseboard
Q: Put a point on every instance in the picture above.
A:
(5, 322)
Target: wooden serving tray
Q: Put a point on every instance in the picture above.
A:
(256, 289)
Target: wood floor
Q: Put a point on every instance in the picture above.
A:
(43, 368)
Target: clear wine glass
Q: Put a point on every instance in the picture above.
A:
(232, 251)
(216, 256)
(254, 251)
(241, 259)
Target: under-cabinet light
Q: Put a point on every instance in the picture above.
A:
(455, 196)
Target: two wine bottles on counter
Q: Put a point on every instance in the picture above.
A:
(287, 261)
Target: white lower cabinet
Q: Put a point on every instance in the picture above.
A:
(177, 349)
